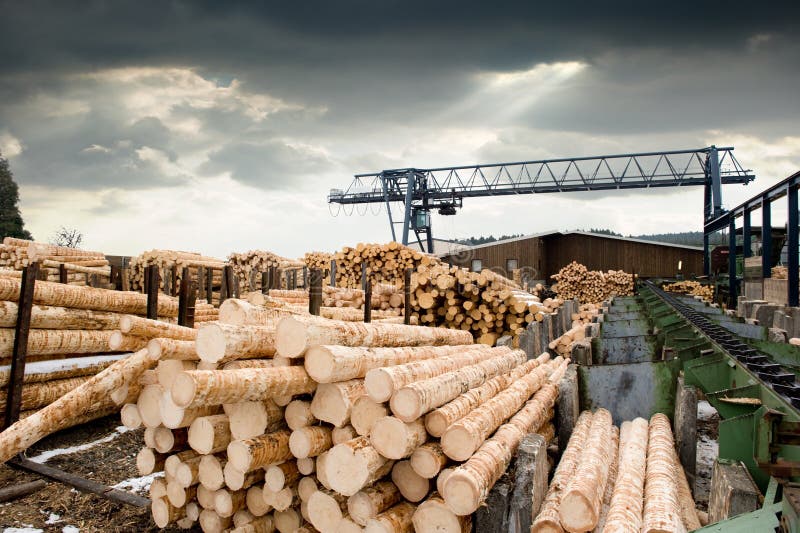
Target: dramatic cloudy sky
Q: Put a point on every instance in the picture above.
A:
(221, 126)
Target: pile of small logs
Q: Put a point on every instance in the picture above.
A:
(167, 260)
(486, 304)
(626, 479)
(385, 263)
(204, 312)
(301, 422)
(780, 272)
(16, 254)
(591, 286)
(70, 327)
(249, 266)
(692, 288)
(318, 260)
(586, 314)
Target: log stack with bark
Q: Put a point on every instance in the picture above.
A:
(249, 265)
(591, 286)
(618, 480)
(692, 288)
(484, 303)
(16, 254)
(167, 260)
(385, 263)
(267, 422)
(318, 260)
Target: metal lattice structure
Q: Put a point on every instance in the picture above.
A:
(443, 189)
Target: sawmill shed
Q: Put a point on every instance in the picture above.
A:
(542, 255)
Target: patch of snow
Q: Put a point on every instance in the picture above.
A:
(70, 529)
(24, 529)
(58, 365)
(52, 519)
(707, 452)
(49, 454)
(138, 484)
(705, 411)
(122, 429)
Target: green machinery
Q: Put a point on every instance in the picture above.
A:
(764, 434)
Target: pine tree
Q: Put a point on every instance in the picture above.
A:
(11, 224)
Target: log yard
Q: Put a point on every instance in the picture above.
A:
(217, 350)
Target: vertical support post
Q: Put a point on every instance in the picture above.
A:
(766, 238)
(716, 182)
(152, 275)
(706, 255)
(792, 247)
(294, 279)
(407, 296)
(707, 201)
(265, 281)
(732, 261)
(305, 277)
(368, 301)
(363, 276)
(315, 292)
(187, 297)
(173, 284)
(125, 280)
(226, 291)
(410, 182)
(333, 272)
(747, 233)
(63, 277)
(116, 278)
(201, 283)
(288, 276)
(209, 285)
(388, 205)
(276, 278)
(20, 347)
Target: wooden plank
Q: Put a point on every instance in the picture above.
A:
(20, 349)
(82, 484)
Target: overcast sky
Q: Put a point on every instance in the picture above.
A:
(221, 126)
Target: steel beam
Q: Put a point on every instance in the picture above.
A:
(766, 239)
(792, 248)
(716, 182)
(706, 256)
(732, 262)
(410, 182)
(746, 234)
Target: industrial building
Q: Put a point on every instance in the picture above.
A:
(543, 254)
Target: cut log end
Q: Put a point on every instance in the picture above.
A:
(462, 494)
(324, 511)
(379, 385)
(183, 390)
(210, 343)
(459, 443)
(577, 512)
(320, 364)
(290, 338)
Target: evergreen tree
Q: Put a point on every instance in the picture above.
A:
(11, 224)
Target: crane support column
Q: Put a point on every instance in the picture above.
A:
(716, 180)
(746, 234)
(732, 262)
(410, 182)
(792, 247)
(766, 238)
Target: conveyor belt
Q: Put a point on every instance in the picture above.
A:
(758, 363)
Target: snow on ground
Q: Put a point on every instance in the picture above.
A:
(707, 452)
(25, 529)
(49, 454)
(138, 484)
(70, 529)
(59, 365)
(52, 519)
(705, 411)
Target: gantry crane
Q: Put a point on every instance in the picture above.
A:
(444, 189)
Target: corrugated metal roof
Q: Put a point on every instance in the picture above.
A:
(588, 233)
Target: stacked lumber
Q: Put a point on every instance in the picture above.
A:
(302, 422)
(483, 303)
(626, 480)
(167, 260)
(780, 272)
(318, 260)
(692, 288)
(205, 312)
(249, 265)
(591, 286)
(385, 263)
(16, 254)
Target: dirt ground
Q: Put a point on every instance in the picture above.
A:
(109, 462)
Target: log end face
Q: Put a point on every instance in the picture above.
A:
(324, 512)
(160, 510)
(183, 390)
(291, 339)
(388, 437)
(576, 513)
(434, 516)
(458, 443)
(201, 436)
(461, 494)
(210, 343)
(360, 508)
(435, 424)
(378, 385)
(299, 444)
(239, 455)
(319, 364)
(406, 405)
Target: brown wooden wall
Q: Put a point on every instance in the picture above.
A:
(546, 255)
(529, 254)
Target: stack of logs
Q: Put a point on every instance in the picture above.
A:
(16, 254)
(302, 423)
(69, 327)
(780, 272)
(318, 260)
(692, 288)
(167, 261)
(387, 300)
(486, 304)
(385, 263)
(626, 479)
(249, 266)
(591, 286)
